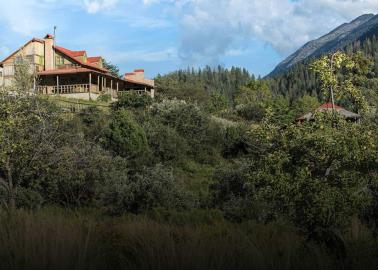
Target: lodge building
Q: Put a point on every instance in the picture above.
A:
(61, 71)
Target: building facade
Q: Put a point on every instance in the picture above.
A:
(61, 71)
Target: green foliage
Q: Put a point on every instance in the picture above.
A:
(125, 137)
(305, 104)
(170, 147)
(254, 92)
(24, 78)
(255, 101)
(190, 122)
(104, 98)
(200, 85)
(92, 121)
(28, 128)
(113, 69)
(329, 70)
(61, 239)
(218, 102)
(226, 162)
(300, 80)
(131, 99)
(315, 175)
(78, 173)
(155, 187)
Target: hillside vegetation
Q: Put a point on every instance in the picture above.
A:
(299, 80)
(212, 174)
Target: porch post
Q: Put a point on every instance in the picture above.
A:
(111, 87)
(105, 83)
(90, 83)
(98, 83)
(57, 84)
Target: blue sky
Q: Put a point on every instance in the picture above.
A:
(164, 35)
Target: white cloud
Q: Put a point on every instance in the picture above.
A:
(95, 6)
(22, 17)
(211, 28)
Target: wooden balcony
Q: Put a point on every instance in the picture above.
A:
(84, 88)
(63, 89)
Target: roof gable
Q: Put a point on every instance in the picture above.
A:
(22, 47)
(94, 59)
(328, 107)
(73, 56)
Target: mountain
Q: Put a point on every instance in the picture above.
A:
(359, 29)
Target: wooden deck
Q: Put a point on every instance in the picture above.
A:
(82, 88)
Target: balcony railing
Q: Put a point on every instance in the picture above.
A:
(63, 89)
(70, 89)
(84, 88)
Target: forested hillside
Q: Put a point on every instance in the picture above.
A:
(214, 173)
(300, 80)
(200, 84)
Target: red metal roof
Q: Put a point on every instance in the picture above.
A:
(139, 70)
(329, 106)
(144, 82)
(94, 59)
(77, 70)
(71, 54)
(64, 71)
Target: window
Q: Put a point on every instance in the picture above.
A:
(8, 71)
(40, 60)
(30, 59)
(59, 60)
(18, 60)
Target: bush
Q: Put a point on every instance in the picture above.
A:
(132, 100)
(125, 137)
(202, 134)
(154, 187)
(77, 173)
(315, 175)
(104, 98)
(251, 111)
(165, 143)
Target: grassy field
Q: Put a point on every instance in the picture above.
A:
(61, 239)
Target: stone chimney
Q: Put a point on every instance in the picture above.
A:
(139, 74)
(49, 52)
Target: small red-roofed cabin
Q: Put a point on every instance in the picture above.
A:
(67, 72)
(329, 108)
(139, 82)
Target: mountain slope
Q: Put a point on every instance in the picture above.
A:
(362, 27)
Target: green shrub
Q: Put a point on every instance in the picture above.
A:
(165, 142)
(196, 127)
(77, 174)
(125, 137)
(104, 98)
(132, 99)
(251, 111)
(315, 175)
(154, 187)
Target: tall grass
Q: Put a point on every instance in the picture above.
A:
(58, 239)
